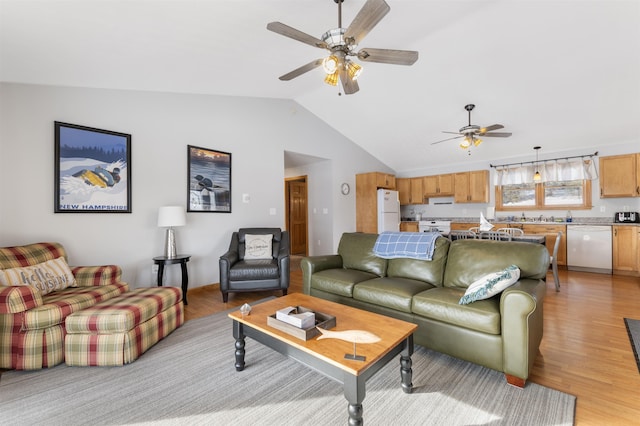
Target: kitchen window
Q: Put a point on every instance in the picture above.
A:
(573, 194)
(565, 184)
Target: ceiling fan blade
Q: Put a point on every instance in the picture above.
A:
(350, 86)
(448, 139)
(299, 71)
(388, 56)
(498, 134)
(287, 31)
(367, 18)
(490, 128)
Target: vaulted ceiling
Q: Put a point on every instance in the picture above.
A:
(564, 75)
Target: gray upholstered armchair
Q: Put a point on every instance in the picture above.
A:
(257, 260)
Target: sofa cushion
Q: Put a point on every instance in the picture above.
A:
(431, 271)
(258, 269)
(339, 281)
(47, 276)
(441, 304)
(394, 293)
(356, 250)
(490, 285)
(60, 304)
(470, 260)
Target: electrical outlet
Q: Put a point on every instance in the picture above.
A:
(154, 269)
(603, 209)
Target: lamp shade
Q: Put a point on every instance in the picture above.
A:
(171, 216)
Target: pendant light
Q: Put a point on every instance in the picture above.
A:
(537, 177)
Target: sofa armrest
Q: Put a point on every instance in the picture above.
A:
(521, 316)
(88, 276)
(19, 298)
(311, 265)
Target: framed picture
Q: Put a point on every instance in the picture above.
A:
(209, 180)
(92, 170)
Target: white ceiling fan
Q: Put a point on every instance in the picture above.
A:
(470, 132)
(341, 44)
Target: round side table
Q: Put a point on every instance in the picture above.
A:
(182, 259)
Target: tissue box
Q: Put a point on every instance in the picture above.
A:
(296, 317)
(322, 320)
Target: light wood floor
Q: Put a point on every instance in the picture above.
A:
(585, 350)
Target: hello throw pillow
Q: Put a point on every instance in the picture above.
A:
(46, 277)
(257, 246)
(490, 285)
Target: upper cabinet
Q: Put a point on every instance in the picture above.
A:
(385, 180)
(438, 186)
(410, 191)
(620, 176)
(472, 187)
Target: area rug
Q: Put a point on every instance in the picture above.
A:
(633, 328)
(189, 379)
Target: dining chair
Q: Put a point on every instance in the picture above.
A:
(475, 229)
(511, 231)
(462, 235)
(554, 260)
(495, 236)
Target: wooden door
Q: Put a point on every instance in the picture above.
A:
(297, 216)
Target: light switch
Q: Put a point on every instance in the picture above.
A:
(246, 198)
(272, 211)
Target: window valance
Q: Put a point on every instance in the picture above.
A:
(555, 170)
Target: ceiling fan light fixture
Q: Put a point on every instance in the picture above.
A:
(477, 142)
(466, 143)
(330, 64)
(354, 70)
(332, 79)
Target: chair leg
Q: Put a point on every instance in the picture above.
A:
(284, 292)
(225, 297)
(554, 267)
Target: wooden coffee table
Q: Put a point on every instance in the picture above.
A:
(328, 355)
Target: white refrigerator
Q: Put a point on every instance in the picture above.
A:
(388, 210)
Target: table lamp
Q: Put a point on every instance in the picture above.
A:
(168, 217)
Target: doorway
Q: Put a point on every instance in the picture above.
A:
(296, 214)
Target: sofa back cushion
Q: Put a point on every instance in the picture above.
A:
(356, 250)
(470, 260)
(430, 271)
(30, 254)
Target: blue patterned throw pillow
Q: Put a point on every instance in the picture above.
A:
(490, 285)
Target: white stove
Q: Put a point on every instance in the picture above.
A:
(441, 226)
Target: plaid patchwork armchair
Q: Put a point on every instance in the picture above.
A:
(31, 323)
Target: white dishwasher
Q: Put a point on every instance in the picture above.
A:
(589, 248)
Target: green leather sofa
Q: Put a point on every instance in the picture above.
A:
(502, 333)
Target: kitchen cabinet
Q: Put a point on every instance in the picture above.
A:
(463, 226)
(385, 180)
(403, 185)
(626, 258)
(550, 232)
(438, 186)
(410, 191)
(409, 227)
(367, 185)
(471, 187)
(620, 176)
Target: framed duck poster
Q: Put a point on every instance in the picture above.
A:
(209, 180)
(92, 170)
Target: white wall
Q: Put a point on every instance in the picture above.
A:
(256, 131)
